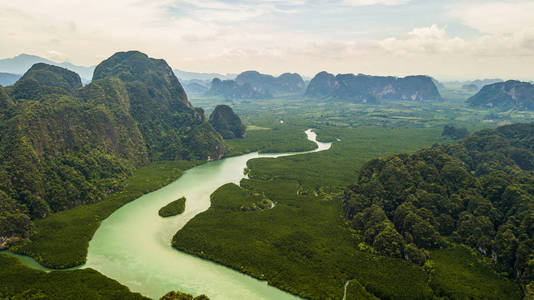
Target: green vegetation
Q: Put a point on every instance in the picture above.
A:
(170, 126)
(53, 76)
(454, 133)
(20, 282)
(303, 244)
(182, 296)
(227, 123)
(67, 155)
(62, 239)
(476, 192)
(356, 291)
(279, 139)
(174, 208)
(460, 273)
(304, 234)
(64, 145)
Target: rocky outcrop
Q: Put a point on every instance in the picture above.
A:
(511, 94)
(372, 89)
(227, 123)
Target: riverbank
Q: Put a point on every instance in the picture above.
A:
(133, 244)
(61, 240)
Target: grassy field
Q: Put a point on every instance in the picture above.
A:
(61, 240)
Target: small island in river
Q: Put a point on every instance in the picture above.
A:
(173, 209)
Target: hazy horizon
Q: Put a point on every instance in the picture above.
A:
(449, 40)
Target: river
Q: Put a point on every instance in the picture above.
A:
(133, 245)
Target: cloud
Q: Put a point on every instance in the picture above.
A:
(493, 17)
(374, 2)
(275, 36)
(423, 40)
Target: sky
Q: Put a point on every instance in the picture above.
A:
(447, 39)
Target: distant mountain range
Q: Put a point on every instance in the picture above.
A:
(21, 63)
(511, 94)
(287, 83)
(18, 65)
(7, 79)
(468, 86)
(372, 89)
(185, 75)
(255, 85)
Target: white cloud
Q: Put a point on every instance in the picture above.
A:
(374, 2)
(218, 36)
(493, 17)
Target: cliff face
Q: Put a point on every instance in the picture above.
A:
(159, 104)
(507, 95)
(66, 150)
(64, 145)
(227, 123)
(372, 89)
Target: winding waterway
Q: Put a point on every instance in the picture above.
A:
(133, 245)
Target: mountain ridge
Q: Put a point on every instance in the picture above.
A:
(363, 88)
(506, 95)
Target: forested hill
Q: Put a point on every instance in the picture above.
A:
(64, 145)
(227, 122)
(171, 127)
(371, 89)
(505, 95)
(478, 192)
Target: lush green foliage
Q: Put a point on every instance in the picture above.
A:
(459, 273)
(62, 239)
(356, 291)
(63, 145)
(279, 139)
(63, 151)
(303, 244)
(454, 133)
(174, 208)
(170, 126)
(226, 122)
(182, 296)
(20, 282)
(53, 76)
(477, 192)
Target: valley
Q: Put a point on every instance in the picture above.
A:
(277, 201)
